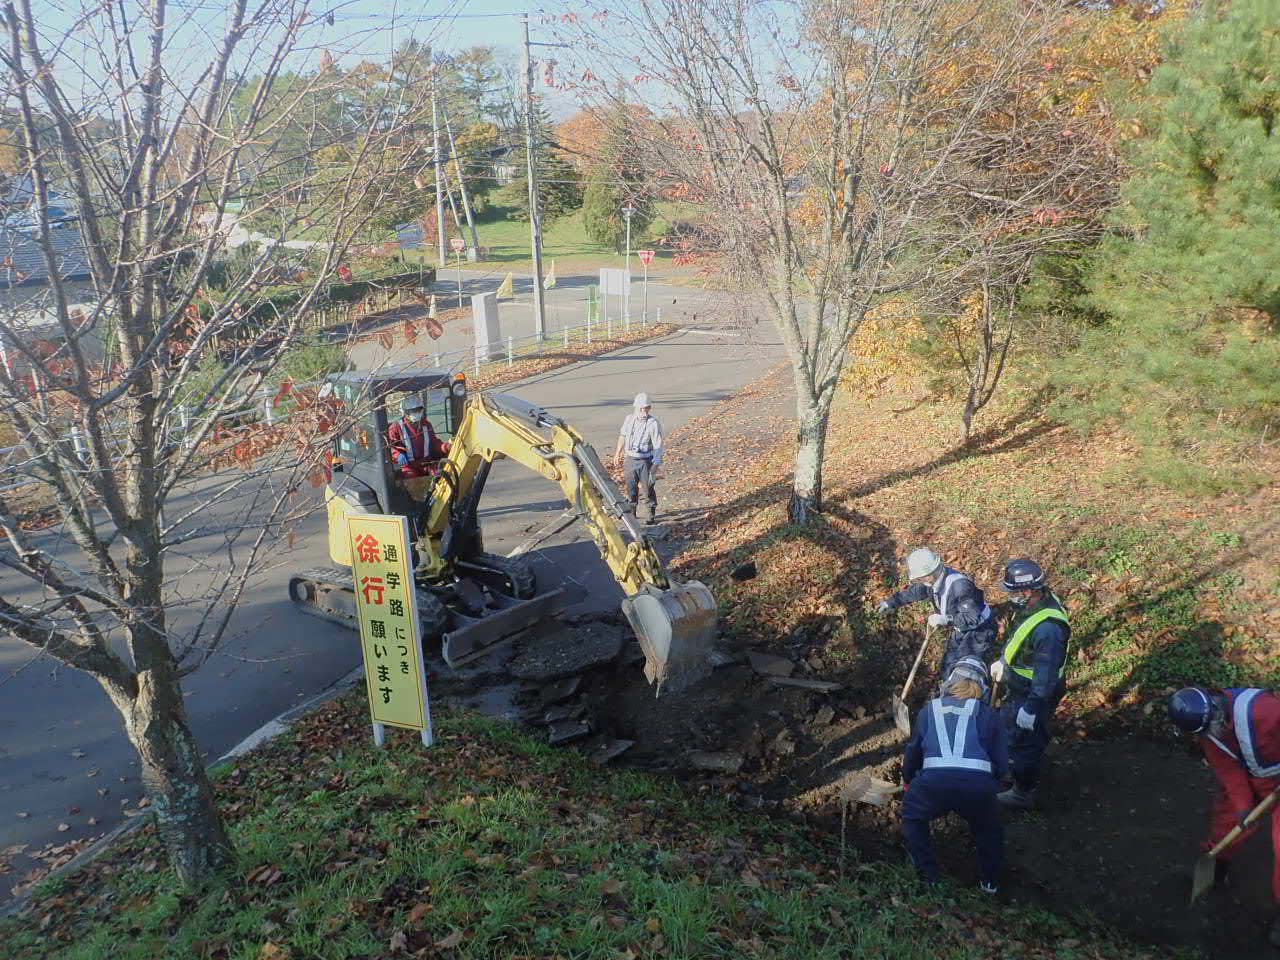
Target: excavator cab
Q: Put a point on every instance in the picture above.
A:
(469, 599)
(365, 473)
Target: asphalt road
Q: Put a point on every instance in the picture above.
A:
(61, 742)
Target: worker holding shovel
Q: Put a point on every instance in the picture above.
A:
(957, 603)
(1239, 733)
(1033, 666)
(954, 763)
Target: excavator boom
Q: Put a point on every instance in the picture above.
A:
(470, 599)
(674, 621)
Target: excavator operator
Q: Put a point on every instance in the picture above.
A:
(413, 443)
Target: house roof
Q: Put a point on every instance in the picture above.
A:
(22, 261)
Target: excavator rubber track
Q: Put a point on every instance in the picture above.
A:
(329, 593)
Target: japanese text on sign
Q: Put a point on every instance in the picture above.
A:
(386, 610)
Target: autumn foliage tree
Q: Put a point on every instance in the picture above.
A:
(813, 137)
(117, 384)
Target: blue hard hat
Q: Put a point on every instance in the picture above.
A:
(1022, 574)
(1191, 709)
(971, 668)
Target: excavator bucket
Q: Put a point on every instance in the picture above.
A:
(676, 628)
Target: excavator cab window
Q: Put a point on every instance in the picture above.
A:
(439, 411)
(349, 449)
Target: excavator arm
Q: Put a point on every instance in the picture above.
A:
(674, 621)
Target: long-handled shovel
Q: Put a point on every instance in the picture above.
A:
(1202, 879)
(901, 715)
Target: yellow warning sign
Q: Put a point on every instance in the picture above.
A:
(386, 607)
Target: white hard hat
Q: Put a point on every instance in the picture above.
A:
(411, 403)
(922, 563)
(641, 400)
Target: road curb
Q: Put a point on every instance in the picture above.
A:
(264, 734)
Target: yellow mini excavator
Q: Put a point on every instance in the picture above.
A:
(469, 599)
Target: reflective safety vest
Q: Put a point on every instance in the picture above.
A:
(1258, 767)
(1013, 646)
(964, 751)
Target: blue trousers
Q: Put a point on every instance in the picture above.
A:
(1026, 747)
(935, 793)
(971, 643)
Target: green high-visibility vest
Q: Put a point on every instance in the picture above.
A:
(1013, 646)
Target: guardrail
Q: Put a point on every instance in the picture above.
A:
(263, 407)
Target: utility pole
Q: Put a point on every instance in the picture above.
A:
(462, 185)
(535, 226)
(442, 258)
(627, 211)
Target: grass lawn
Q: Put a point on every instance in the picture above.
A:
(493, 845)
(565, 241)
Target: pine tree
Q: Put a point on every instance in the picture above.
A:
(618, 180)
(559, 190)
(1187, 354)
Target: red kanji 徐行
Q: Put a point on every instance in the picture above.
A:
(372, 588)
(367, 549)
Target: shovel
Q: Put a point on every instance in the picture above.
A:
(864, 788)
(1202, 878)
(901, 715)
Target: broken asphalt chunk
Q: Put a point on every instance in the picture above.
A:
(566, 652)
(770, 665)
(566, 731)
(608, 750)
(559, 690)
(821, 686)
(716, 761)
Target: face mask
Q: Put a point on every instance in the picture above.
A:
(415, 416)
(1019, 600)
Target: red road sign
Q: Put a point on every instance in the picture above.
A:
(457, 244)
(646, 256)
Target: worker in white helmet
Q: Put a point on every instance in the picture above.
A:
(641, 441)
(957, 603)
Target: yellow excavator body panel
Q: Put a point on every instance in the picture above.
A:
(339, 538)
(675, 622)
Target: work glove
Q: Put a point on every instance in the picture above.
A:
(938, 620)
(1026, 719)
(885, 606)
(402, 459)
(997, 671)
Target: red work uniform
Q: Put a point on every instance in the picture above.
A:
(412, 445)
(1246, 761)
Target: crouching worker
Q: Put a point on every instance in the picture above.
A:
(954, 763)
(1238, 730)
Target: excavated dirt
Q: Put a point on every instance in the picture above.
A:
(1114, 839)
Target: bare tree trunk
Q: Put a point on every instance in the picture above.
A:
(173, 772)
(812, 418)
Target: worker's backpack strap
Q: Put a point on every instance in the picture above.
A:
(1244, 734)
(1024, 630)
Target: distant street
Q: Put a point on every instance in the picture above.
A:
(64, 756)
